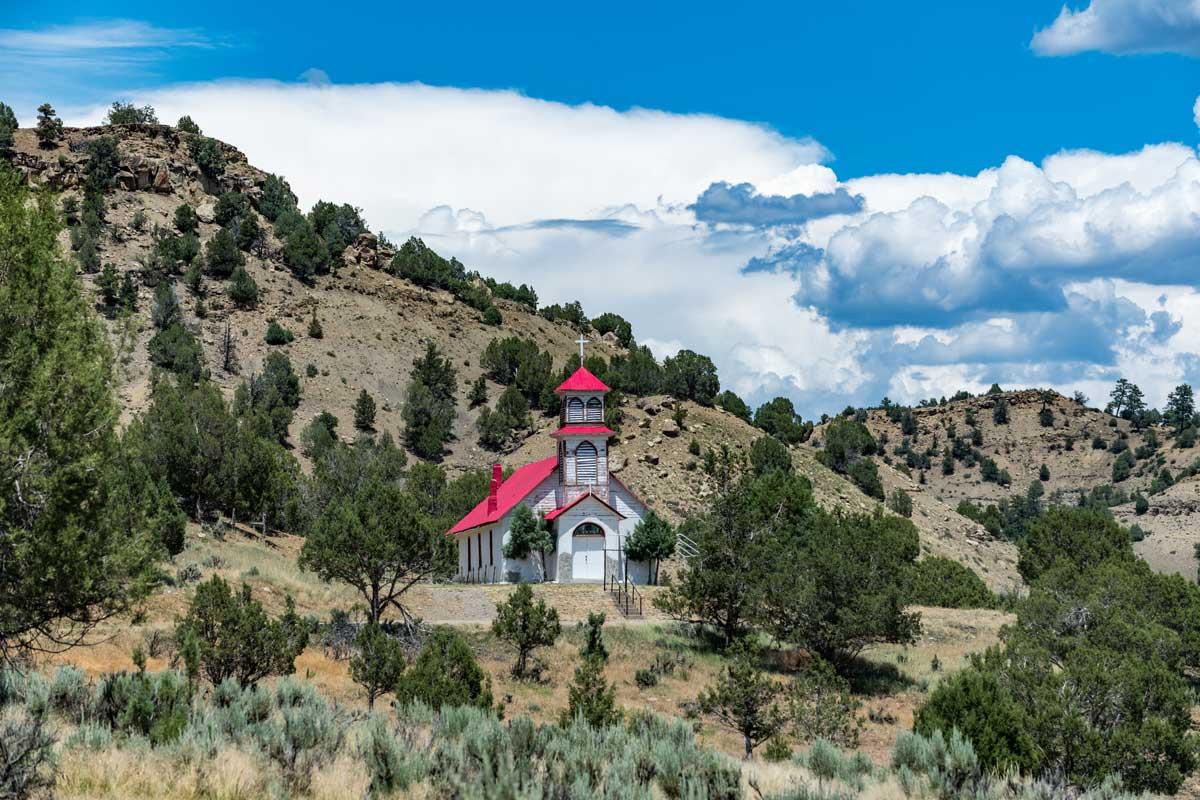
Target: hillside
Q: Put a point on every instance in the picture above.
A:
(375, 324)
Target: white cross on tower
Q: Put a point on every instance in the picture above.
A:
(581, 342)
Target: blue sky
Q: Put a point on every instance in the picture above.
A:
(888, 87)
(835, 201)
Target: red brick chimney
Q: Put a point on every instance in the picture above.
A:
(494, 489)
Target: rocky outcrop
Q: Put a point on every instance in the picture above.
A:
(367, 251)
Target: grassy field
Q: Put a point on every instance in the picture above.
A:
(891, 682)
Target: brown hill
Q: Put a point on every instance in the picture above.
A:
(1023, 444)
(374, 324)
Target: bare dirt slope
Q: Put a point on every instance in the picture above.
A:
(1172, 527)
(375, 324)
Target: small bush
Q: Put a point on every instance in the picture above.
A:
(941, 582)
(278, 335)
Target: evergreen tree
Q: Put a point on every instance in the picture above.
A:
(691, 376)
(445, 673)
(221, 254)
(57, 439)
(653, 540)
(128, 296)
(187, 125)
(745, 700)
(109, 285)
(277, 197)
(129, 114)
(8, 127)
(305, 254)
(593, 638)
(237, 639)
(378, 540)
(526, 624)
(49, 127)
(379, 662)
(186, 220)
(478, 395)
(364, 412)
(315, 331)
(590, 697)
(243, 290)
(1181, 407)
(768, 454)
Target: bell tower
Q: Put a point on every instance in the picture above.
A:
(582, 435)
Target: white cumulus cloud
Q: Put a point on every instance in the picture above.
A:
(1123, 26)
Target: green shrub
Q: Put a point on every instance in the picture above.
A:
(278, 335)
(900, 502)
(236, 637)
(445, 673)
(974, 703)
(944, 583)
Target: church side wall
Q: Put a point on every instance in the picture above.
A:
(633, 510)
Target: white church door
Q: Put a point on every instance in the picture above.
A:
(587, 546)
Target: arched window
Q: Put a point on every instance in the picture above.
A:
(588, 529)
(595, 409)
(585, 463)
(574, 410)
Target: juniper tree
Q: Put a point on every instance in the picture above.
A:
(378, 663)
(187, 125)
(8, 126)
(745, 700)
(364, 412)
(186, 220)
(525, 624)
(478, 395)
(378, 540)
(653, 540)
(243, 290)
(590, 697)
(237, 638)
(445, 673)
(57, 442)
(593, 638)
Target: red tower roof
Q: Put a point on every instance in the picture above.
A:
(582, 380)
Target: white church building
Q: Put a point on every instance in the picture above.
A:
(590, 512)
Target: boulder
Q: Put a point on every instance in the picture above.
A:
(206, 212)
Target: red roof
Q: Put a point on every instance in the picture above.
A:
(561, 509)
(584, 430)
(512, 491)
(582, 381)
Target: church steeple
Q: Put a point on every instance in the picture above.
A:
(582, 435)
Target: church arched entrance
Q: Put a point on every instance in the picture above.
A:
(587, 552)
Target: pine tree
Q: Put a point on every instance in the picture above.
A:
(109, 285)
(364, 412)
(49, 127)
(243, 290)
(478, 395)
